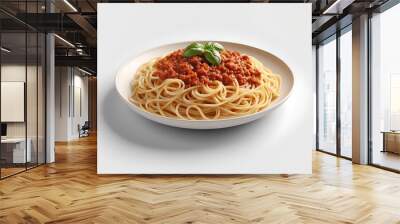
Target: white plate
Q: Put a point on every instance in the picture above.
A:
(126, 73)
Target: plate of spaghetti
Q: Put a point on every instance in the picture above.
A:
(204, 84)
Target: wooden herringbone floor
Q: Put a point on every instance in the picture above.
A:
(70, 191)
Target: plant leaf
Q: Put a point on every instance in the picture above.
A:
(217, 46)
(212, 56)
(213, 46)
(195, 45)
(208, 46)
(189, 52)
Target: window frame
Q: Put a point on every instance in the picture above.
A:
(334, 37)
(381, 9)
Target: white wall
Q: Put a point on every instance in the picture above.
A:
(69, 82)
(314, 74)
(12, 101)
(61, 103)
(14, 72)
(79, 117)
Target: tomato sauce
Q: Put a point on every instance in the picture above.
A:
(196, 71)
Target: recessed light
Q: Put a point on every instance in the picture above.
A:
(64, 40)
(5, 49)
(70, 5)
(337, 7)
(84, 71)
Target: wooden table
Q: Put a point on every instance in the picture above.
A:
(391, 141)
(13, 150)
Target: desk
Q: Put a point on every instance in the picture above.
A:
(391, 141)
(17, 151)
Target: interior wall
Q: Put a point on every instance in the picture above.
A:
(80, 109)
(62, 80)
(71, 102)
(92, 98)
(314, 75)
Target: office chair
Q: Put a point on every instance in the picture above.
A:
(84, 130)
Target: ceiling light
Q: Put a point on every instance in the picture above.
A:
(331, 7)
(64, 40)
(337, 7)
(79, 51)
(84, 71)
(70, 5)
(5, 50)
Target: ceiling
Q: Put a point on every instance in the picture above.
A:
(76, 22)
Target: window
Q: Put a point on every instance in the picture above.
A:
(334, 106)
(327, 97)
(385, 89)
(394, 119)
(346, 93)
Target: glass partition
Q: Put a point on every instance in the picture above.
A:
(14, 153)
(31, 99)
(23, 89)
(41, 97)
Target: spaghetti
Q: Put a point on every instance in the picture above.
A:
(190, 89)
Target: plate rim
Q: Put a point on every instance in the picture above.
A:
(140, 110)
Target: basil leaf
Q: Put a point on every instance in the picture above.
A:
(210, 51)
(208, 46)
(195, 45)
(217, 46)
(189, 52)
(213, 57)
(213, 46)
